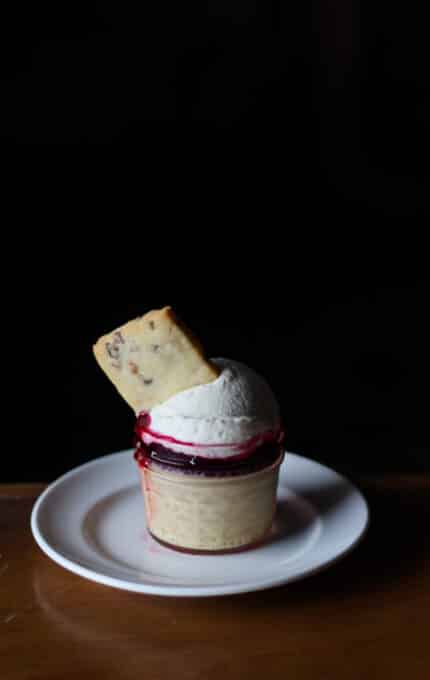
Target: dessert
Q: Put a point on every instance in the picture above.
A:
(208, 436)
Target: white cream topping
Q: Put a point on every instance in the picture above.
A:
(236, 407)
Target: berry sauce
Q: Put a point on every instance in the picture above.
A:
(252, 456)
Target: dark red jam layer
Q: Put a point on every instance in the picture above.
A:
(252, 456)
(262, 457)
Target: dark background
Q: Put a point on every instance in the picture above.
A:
(341, 336)
(327, 100)
(214, 147)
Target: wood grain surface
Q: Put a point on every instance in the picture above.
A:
(365, 618)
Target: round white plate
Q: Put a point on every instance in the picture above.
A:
(91, 521)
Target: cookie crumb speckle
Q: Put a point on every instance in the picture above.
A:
(112, 350)
(118, 337)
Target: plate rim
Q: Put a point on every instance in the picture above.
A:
(182, 590)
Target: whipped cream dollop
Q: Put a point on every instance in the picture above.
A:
(218, 419)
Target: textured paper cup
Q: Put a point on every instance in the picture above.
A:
(201, 513)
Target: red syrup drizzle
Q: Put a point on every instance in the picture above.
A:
(253, 455)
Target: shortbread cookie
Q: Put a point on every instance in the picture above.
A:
(152, 358)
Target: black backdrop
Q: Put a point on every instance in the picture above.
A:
(343, 339)
(208, 134)
(335, 95)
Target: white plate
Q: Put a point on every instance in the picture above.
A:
(91, 521)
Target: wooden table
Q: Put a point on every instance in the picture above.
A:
(368, 617)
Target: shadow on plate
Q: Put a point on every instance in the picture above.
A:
(391, 552)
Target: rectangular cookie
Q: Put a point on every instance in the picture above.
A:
(152, 358)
